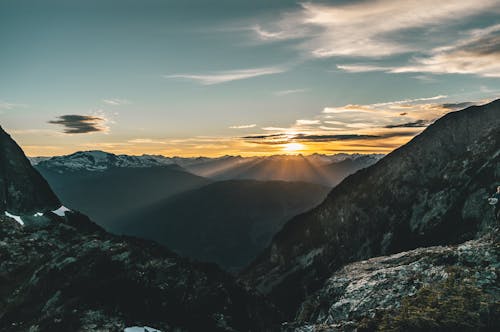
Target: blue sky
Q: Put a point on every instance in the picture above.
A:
(240, 77)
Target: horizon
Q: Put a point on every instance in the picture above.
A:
(214, 157)
(215, 78)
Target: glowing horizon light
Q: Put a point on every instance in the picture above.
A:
(293, 147)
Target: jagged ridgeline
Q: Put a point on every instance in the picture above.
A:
(68, 274)
(430, 191)
(22, 189)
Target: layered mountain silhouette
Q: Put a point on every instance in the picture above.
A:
(326, 170)
(105, 186)
(61, 272)
(99, 183)
(227, 222)
(430, 191)
(234, 219)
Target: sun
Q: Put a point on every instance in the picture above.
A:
(293, 147)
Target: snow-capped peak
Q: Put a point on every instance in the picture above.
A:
(101, 161)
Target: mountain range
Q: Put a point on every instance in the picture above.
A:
(240, 203)
(326, 170)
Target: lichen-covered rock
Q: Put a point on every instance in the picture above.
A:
(361, 291)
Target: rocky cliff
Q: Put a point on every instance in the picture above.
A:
(428, 192)
(22, 189)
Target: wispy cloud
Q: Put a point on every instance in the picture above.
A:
(361, 68)
(228, 75)
(243, 126)
(289, 92)
(406, 101)
(9, 106)
(305, 122)
(366, 28)
(478, 54)
(116, 102)
(274, 128)
(146, 141)
(81, 124)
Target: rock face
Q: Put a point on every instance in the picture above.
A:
(355, 295)
(430, 191)
(64, 273)
(22, 189)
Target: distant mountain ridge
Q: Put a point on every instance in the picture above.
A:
(316, 168)
(430, 191)
(98, 161)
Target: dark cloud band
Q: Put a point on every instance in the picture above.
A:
(416, 124)
(307, 138)
(80, 124)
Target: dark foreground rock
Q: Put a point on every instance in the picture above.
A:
(67, 274)
(22, 188)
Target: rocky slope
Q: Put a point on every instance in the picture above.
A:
(69, 275)
(61, 272)
(378, 292)
(22, 189)
(430, 191)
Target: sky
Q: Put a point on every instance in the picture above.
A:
(260, 77)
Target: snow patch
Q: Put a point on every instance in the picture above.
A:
(61, 212)
(16, 218)
(140, 329)
(38, 214)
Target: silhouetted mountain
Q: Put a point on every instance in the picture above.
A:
(430, 191)
(327, 170)
(22, 189)
(61, 272)
(227, 222)
(104, 186)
